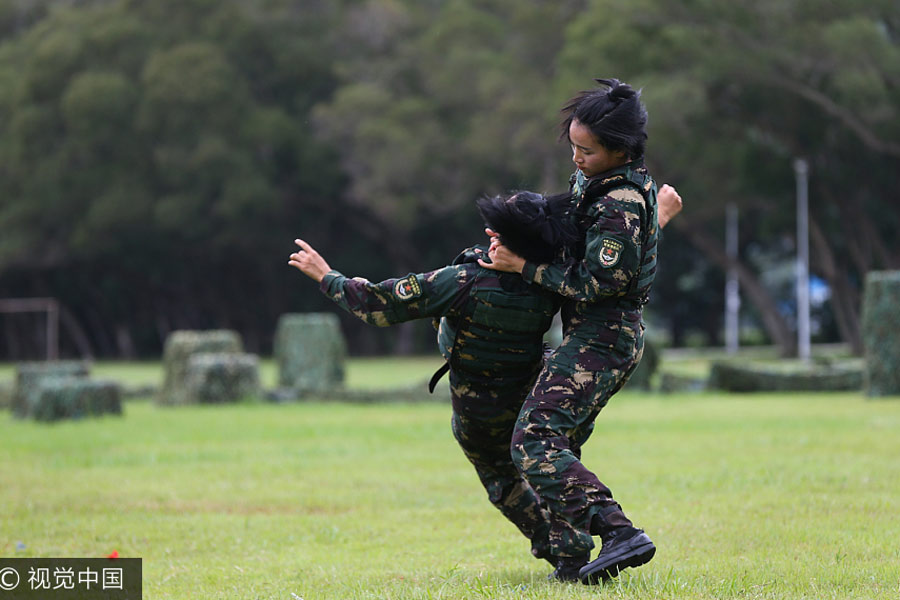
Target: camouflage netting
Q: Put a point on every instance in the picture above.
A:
(881, 333)
(733, 377)
(6, 395)
(180, 346)
(75, 398)
(310, 351)
(31, 376)
(670, 383)
(217, 378)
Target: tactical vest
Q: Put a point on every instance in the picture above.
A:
(586, 192)
(498, 334)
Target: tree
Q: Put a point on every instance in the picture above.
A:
(149, 158)
(736, 91)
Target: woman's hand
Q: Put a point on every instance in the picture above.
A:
(309, 261)
(669, 202)
(502, 259)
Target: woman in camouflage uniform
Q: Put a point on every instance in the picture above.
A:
(603, 283)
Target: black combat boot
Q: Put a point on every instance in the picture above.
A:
(623, 546)
(567, 567)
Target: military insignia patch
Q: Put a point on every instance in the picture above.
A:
(610, 251)
(408, 288)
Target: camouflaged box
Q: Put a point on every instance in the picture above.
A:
(218, 378)
(6, 395)
(310, 351)
(881, 333)
(734, 377)
(76, 398)
(180, 346)
(670, 383)
(31, 376)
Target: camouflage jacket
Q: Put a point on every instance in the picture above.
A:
(613, 269)
(491, 323)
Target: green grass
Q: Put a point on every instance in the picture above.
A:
(759, 496)
(367, 373)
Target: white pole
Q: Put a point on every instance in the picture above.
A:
(732, 285)
(801, 170)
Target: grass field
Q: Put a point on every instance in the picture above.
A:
(757, 496)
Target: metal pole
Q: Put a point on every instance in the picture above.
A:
(48, 305)
(801, 170)
(52, 329)
(732, 285)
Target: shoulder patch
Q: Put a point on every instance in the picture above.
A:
(407, 288)
(610, 252)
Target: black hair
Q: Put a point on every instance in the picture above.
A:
(533, 226)
(614, 114)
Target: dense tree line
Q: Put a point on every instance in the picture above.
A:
(158, 158)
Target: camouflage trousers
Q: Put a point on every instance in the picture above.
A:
(593, 363)
(484, 416)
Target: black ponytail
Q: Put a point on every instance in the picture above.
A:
(614, 114)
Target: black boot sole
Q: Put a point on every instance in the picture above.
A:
(634, 552)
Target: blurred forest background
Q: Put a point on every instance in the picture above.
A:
(157, 158)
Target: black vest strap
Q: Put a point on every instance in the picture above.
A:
(442, 370)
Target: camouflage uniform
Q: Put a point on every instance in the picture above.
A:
(491, 334)
(604, 283)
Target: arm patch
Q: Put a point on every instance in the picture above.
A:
(610, 252)
(407, 288)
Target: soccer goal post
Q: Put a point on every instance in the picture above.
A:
(46, 305)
